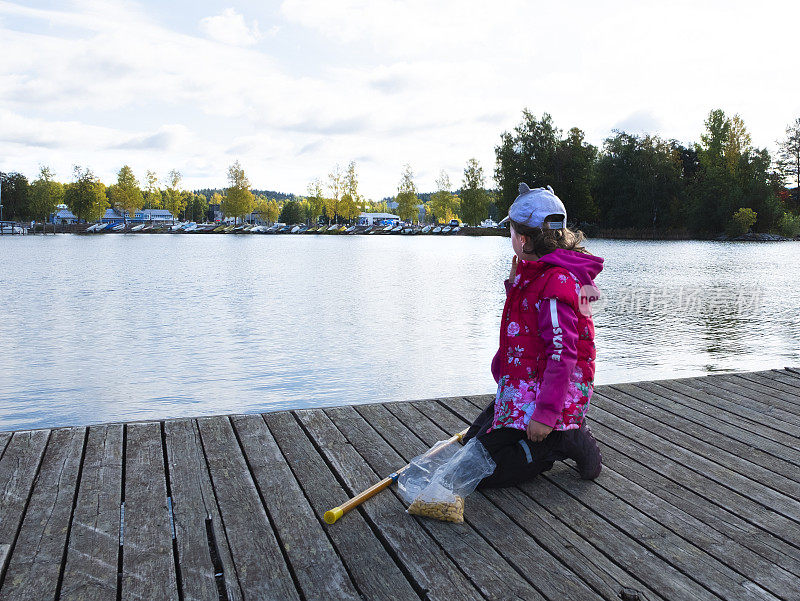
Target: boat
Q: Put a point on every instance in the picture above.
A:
(455, 230)
(228, 229)
(219, 228)
(394, 230)
(295, 229)
(437, 229)
(426, 229)
(118, 228)
(138, 228)
(350, 229)
(190, 227)
(333, 227)
(9, 228)
(445, 229)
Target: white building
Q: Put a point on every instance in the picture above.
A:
(63, 215)
(377, 219)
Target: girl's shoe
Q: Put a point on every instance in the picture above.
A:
(580, 446)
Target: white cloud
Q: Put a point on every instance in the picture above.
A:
(230, 28)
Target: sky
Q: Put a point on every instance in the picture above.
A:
(291, 89)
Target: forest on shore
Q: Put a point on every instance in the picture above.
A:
(641, 183)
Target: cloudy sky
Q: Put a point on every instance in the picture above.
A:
(292, 88)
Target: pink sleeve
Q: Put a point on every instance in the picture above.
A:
(558, 325)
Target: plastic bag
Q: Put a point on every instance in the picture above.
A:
(436, 483)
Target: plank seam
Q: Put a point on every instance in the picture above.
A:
(4, 567)
(270, 519)
(122, 511)
(60, 580)
(751, 384)
(319, 519)
(199, 434)
(175, 555)
(374, 527)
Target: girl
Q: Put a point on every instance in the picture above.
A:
(544, 367)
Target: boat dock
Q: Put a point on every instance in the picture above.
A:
(699, 499)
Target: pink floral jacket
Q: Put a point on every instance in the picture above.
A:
(544, 367)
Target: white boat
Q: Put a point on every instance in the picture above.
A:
(138, 228)
(455, 230)
(445, 229)
(92, 228)
(190, 227)
(11, 228)
(350, 229)
(437, 229)
(426, 229)
(388, 228)
(399, 228)
(295, 229)
(176, 227)
(118, 228)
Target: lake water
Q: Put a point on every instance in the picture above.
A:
(124, 327)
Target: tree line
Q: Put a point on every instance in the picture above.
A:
(645, 182)
(640, 182)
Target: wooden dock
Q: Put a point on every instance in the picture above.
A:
(699, 499)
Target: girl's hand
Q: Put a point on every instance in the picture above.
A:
(513, 269)
(537, 431)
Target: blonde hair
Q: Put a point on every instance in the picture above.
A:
(543, 241)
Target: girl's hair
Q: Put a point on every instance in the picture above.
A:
(543, 241)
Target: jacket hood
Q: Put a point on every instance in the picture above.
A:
(584, 266)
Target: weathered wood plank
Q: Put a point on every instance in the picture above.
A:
(705, 468)
(432, 570)
(91, 569)
(36, 563)
(256, 553)
(18, 469)
(358, 546)
(5, 437)
(520, 537)
(718, 428)
(631, 554)
(714, 516)
(716, 405)
(318, 568)
(792, 371)
(759, 398)
(770, 381)
(671, 461)
(776, 443)
(768, 413)
(195, 510)
(485, 566)
(148, 564)
(668, 427)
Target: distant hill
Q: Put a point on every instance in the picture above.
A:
(209, 192)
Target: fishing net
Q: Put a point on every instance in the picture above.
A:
(436, 483)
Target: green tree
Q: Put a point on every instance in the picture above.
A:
(474, 198)
(407, 199)
(152, 193)
(196, 207)
(316, 199)
(526, 155)
(174, 198)
(638, 180)
(45, 195)
(86, 196)
(789, 157)
(741, 221)
(126, 195)
(238, 200)
(291, 212)
(14, 197)
(444, 205)
(336, 186)
(574, 163)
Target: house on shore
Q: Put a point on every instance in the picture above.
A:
(378, 219)
(63, 216)
(141, 216)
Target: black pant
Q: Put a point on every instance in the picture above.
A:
(517, 458)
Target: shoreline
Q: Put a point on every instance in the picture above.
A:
(589, 232)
